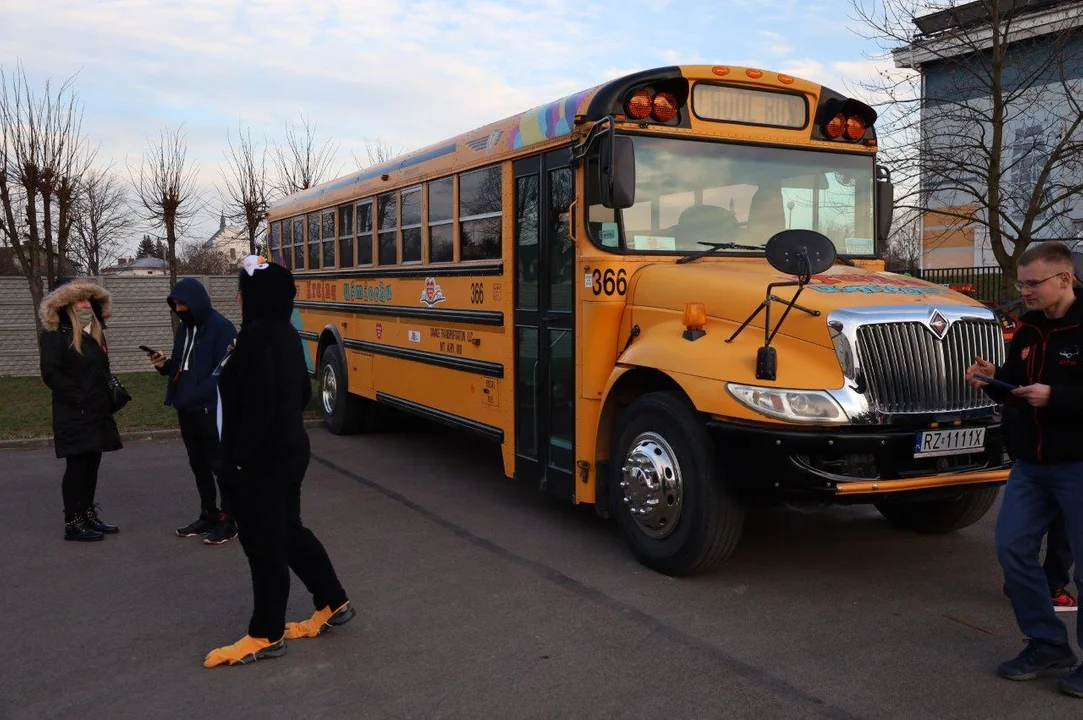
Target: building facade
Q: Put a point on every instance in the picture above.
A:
(1035, 102)
(232, 242)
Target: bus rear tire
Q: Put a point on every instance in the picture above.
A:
(342, 413)
(938, 517)
(671, 506)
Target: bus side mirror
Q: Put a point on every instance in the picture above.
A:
(885, 201)
(617, 167)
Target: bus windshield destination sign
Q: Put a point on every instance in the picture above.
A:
(749, 106)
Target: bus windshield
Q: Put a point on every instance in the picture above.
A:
(693, 192)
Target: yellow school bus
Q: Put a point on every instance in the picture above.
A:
(661, 296)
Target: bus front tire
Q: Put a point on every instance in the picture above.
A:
(342, 413)
(938, 517)
(672, 508)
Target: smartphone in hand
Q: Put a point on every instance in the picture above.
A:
(993, 381)
(148, 350)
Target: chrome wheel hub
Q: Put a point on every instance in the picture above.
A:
(328, 390)
(652, 485)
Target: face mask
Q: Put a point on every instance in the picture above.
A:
(85, 315)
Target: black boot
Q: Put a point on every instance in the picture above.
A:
(77, 529)
(94, 522)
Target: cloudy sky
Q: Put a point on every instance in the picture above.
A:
(402, 72)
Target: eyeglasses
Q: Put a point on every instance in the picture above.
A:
(1020, 284)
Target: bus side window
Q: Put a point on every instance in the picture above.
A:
(411, 224)
(480, 209)
(387, 209)
(364, 232)
(299, 243)
(313, 240)
(441, 231)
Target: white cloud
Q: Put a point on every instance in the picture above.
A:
(410, 72)
(774, 43)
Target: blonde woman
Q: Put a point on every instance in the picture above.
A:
(75, 366)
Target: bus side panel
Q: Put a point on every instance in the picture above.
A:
(360, 373)
(586, 438)
(462, 395)
(597, 347)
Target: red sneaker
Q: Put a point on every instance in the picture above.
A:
(1062, 601)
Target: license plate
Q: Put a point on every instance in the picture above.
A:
(935, 443)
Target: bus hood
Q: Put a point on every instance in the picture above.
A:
(731, 291)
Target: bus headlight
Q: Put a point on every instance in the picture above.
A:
(807, 406)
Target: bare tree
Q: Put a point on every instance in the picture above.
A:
(166, 188)
(377, 153)
(43, 156)
(247, 185)
(103, 219)
(195, 260)
(992, 139)
(300, 164)
(903, 251)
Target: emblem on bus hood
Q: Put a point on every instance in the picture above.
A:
(938, 324)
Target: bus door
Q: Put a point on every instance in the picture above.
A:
(544, 323)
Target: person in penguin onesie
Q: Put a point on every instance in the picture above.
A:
(264, 387)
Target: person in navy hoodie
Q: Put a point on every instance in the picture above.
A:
(202, 339)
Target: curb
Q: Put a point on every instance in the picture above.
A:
(127, 437)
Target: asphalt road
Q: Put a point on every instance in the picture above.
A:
(481, 598)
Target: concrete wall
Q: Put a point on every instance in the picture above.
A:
(140, 316)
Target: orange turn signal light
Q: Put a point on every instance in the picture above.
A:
(720, 70)
(665, 107)
(695, 315)
(855, 128)
(835, 127)
(754, 74)
(639, 105)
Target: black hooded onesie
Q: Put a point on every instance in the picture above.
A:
(264, 387)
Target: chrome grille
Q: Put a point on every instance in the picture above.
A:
(909, 371)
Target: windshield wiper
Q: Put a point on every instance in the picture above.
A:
(714, 247)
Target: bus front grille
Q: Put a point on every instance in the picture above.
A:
(909, 370)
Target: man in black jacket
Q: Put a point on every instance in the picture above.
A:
(1045, 363)
(265, 387)
(202, 339)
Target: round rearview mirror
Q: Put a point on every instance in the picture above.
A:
(796, 252)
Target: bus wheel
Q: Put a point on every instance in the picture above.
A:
(936, 517)
(342, 412)
(673, 511)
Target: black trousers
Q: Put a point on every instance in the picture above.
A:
(199, 430)
(1058, 555)
(79, 483)
(267, 507)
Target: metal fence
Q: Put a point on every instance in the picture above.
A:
(984, 283)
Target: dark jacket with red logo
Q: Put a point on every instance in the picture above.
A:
(1047, 351)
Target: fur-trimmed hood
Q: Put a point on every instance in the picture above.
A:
(66, 294)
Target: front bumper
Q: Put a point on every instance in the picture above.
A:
(851, 465)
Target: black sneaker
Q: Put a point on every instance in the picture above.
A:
(1072, 684)
(1037, 657)
(203, 525)
(223, 532)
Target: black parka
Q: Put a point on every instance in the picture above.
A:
(82, 406)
